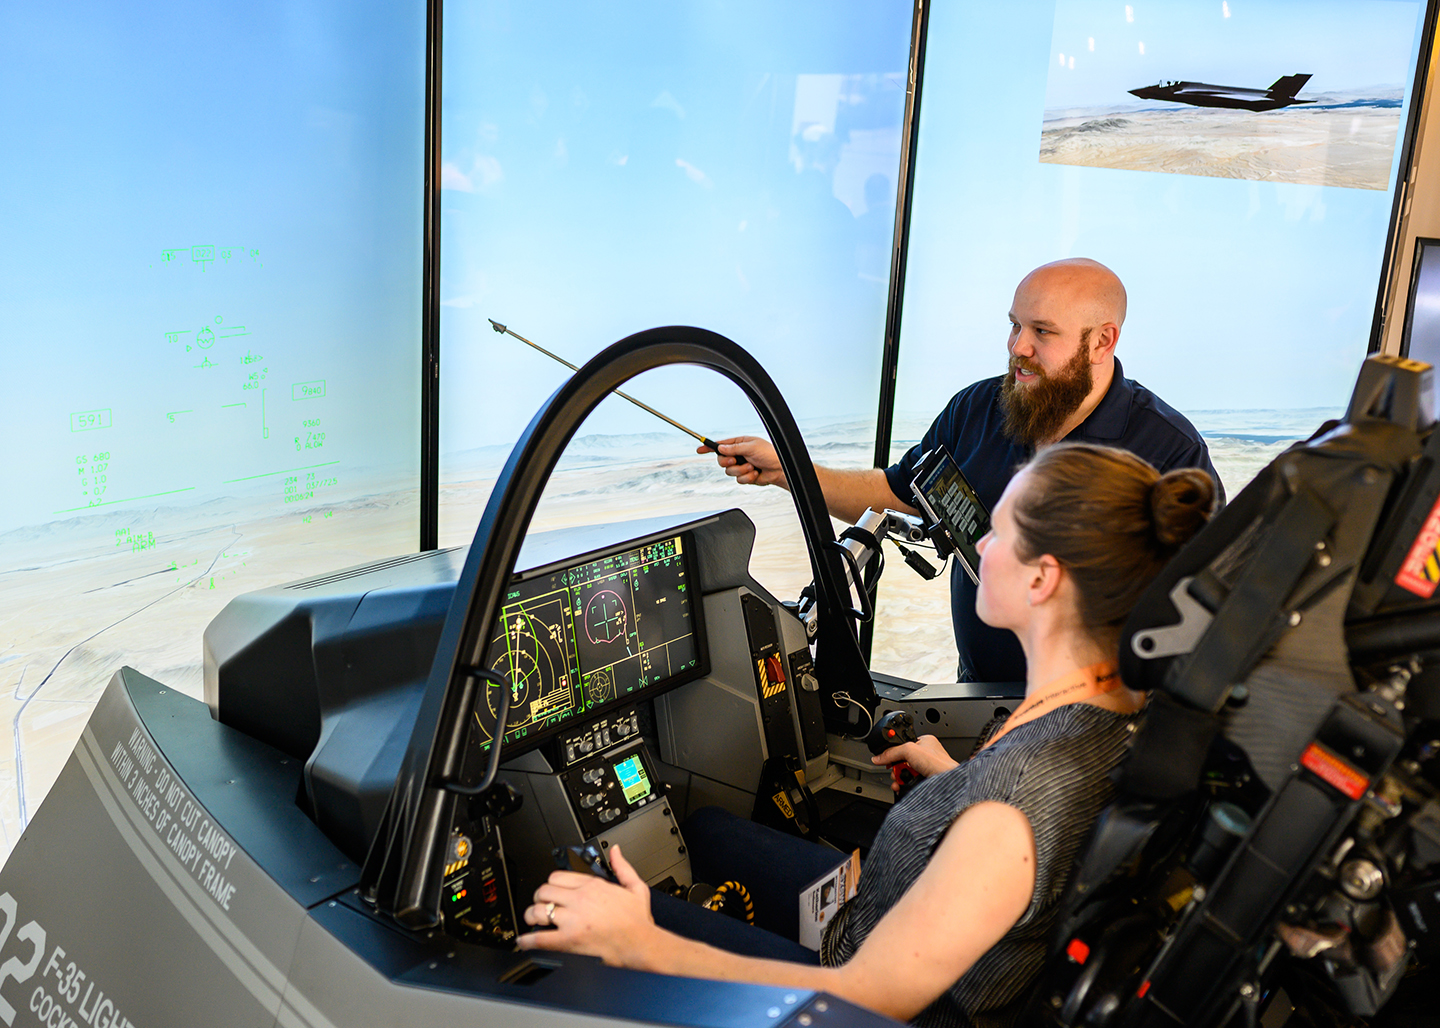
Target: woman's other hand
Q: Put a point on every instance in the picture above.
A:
(592, 916)
(926, 757)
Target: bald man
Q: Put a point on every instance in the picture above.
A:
(1063, 382)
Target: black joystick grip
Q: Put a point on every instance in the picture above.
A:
(585, 860)
(891, 730)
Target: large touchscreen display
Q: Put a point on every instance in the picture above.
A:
(574, 640)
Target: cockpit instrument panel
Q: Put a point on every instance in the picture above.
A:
(574, 641)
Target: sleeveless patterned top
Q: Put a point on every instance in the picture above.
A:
(1056, 771)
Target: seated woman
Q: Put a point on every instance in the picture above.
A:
(960, 889)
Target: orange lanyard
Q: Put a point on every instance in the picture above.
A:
(1082, 685)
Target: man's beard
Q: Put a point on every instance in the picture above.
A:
(1034, 413)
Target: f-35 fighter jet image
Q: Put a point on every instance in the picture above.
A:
(1202, 94)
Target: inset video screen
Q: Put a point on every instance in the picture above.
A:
(578, 639)
(1234, 164)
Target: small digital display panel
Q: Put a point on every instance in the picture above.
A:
(584, 637)
(944, 494)
(634, 782)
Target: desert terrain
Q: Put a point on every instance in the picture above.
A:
(84, 597)
(1336, 143)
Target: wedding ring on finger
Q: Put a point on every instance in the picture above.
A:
(550, 913)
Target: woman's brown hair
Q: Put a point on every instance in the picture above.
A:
(1111, 520)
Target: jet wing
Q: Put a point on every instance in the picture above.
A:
(1205, 94)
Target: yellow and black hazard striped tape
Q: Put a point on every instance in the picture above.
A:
(720, 898)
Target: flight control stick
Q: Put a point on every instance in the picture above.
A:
(893, 729)
(585, 859)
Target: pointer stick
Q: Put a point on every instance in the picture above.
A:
(643, 406)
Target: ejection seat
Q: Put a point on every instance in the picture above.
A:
(1277, 815)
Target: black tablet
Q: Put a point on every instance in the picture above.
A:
(949, 501)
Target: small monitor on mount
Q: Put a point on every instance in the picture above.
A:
(1421, 338)
(952, 506)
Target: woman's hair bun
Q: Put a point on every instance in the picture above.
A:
(1180, 503)
(1111, 520)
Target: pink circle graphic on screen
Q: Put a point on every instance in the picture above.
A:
(605, 617)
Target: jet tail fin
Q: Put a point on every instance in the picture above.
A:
(1289, 85)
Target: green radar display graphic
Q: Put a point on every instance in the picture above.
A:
(530, 653)
(583, 638)
(521, 661)
(600, 687)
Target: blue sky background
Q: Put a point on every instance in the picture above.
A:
(614, 169)
(1242, 294)
(727, 164)
(1342, 44)
(287, 133)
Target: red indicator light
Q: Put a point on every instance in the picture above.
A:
(1144, 988)
(1346, 779)
(1077, 951)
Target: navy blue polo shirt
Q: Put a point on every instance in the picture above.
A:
(1129, 416)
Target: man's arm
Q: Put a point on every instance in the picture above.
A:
(978, 883)
(751, 460)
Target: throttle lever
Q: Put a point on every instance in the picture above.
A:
(585, 860)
